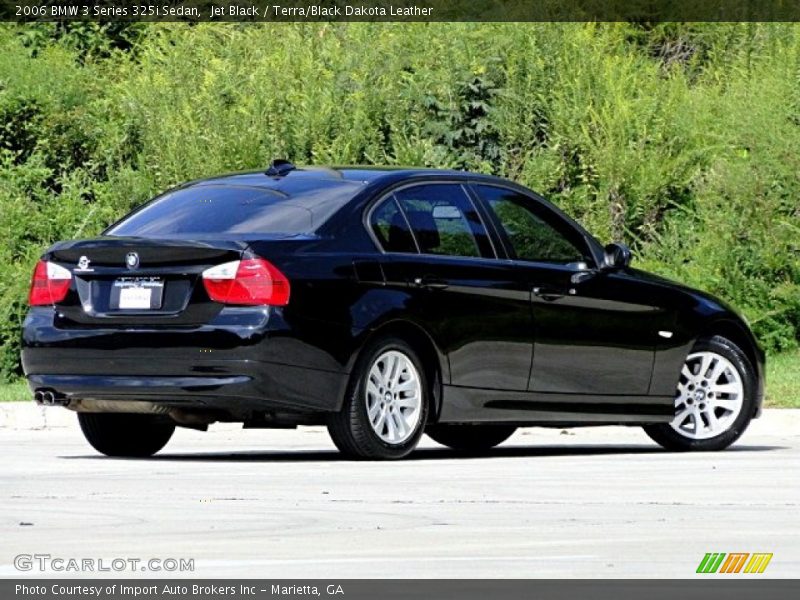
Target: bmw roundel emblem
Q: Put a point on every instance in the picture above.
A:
(132, 260)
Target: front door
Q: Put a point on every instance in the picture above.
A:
(593, 335)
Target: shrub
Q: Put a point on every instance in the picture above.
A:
(678, 139)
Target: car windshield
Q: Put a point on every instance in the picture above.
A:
(231, 210)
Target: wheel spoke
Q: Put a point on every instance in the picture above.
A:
(681, 417)
(717, 371)
(373, 411)
(400, 423)
(698, 422)
(382, 367)
(406, 386)
(398, 374)
(381, 421)
(713, 421)
(686, 372)
(705, 363)
(376, 376)
(395, 367)
(391, 430)
(410, 402)
(729, 405)
(372, 389)
(727, 388)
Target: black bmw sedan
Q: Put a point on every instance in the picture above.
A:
(383, 303)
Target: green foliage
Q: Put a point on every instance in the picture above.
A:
(678, 139)
(464, 129)
(15, 392)
(783, 380)
(89, 40)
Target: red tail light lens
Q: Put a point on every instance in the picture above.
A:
(252, 281)
(50, 284)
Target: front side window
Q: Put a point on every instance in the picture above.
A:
(532, 237)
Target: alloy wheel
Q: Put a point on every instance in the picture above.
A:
(709, 396)
(393, 394)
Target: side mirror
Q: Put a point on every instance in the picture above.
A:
(617, 256)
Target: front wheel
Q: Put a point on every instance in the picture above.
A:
(386, 406)
(125, 434)
(470, 438)
(715, 399)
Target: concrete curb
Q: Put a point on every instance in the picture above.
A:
(27, 415)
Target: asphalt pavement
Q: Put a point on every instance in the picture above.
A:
(591, 502)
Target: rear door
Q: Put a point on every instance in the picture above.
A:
(593, 330)
(436, 246)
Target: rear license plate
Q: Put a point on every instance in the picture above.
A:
(137, 293)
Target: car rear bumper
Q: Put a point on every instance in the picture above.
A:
(268, 387)
(240, 366)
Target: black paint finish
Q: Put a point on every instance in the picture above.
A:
(504, 339)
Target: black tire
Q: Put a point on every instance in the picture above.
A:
(125, 435)
(350, 429)
(665, 435)
(471, 439)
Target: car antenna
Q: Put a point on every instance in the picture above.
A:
(280, 167)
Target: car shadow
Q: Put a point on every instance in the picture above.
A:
(421, 454)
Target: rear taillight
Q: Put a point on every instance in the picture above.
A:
(251, 281)
(50, 284)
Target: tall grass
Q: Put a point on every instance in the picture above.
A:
(680, 140)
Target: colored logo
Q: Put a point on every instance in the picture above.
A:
(734, 562)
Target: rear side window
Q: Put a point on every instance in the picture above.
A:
(435, 218)
(391, 228)
(204, 210)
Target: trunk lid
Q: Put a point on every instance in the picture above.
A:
(144, 281)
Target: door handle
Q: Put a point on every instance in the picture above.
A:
(430, 283)
(549, 294)
(582, 276)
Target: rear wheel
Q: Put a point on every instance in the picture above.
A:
(125, 435)
(386, 406)
(715, 399)
(470, 438)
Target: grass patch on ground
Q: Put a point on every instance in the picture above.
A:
(15, 392)
(783, 383)
(783, 380)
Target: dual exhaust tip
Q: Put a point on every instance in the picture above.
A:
(49, 398)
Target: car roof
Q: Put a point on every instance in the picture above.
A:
(323, 190)
(357, 175)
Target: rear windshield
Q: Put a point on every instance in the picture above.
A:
(229, 210)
